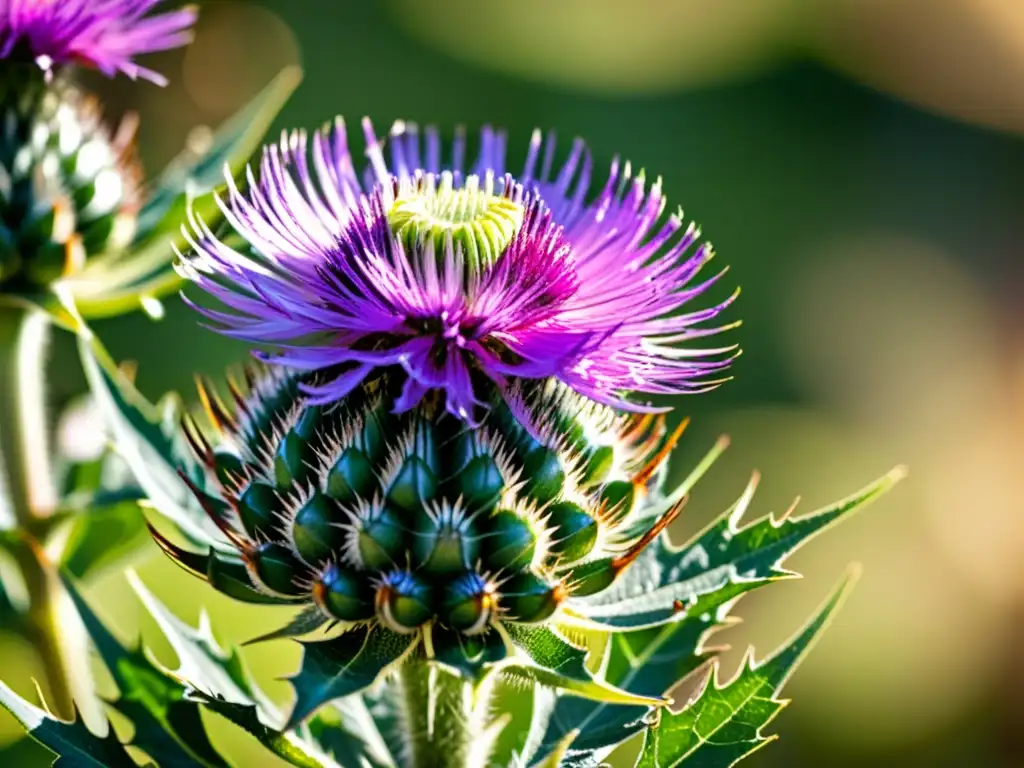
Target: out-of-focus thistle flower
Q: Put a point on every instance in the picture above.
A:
(79, 221)
(69, 186)
(104, 34)
(457, 276)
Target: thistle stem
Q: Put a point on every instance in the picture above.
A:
(28, 492)
(43, 627)
(438, 708)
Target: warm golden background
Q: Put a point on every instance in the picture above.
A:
(859, 163)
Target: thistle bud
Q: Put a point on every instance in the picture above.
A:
(404, 601)
(316, 528)
(573, 531)
(378, 537)
(276, 568)
(468, 604)
(259, 508)
(445, 540)
(529, 599)
(344, 594)
(510, 542)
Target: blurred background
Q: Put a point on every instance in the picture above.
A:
(860, 165)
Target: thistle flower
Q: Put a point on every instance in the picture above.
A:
(439, 452)
(103, 34)
(438, 465)
(459, 277)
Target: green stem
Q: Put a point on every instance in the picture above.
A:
(439, 716)
(28, 492)
(44, 629)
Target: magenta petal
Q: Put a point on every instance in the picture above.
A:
(596, 294)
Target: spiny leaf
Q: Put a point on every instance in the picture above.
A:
(285, 745)
(202, 662)
(220, 682)
(103, 536)
(148, 440)
(557, 756)
(724, 723)
(551, 660)
(334, 728)
(655, 659)
(544, 701)
(345, 665)
(303, 623)
(672, 579)
(167, 726)
(74, 745)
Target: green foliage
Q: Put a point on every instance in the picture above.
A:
(723, 723)
(74, 745)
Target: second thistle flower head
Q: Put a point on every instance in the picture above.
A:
(69, 184)
(459, 276)
(104, 34)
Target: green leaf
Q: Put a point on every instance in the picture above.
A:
(549, 659)
(651, 662)
(470, 656)
(558, 756)
(724, 723)
(103, 536)
(345, 665)
(670, 579)
(287, 746)
(74, 745)
(219, 681)
(335, 727)
(303, 623)
(202, 662)
(168, 726)
(655, 659)
(121, 282)
(149, 441)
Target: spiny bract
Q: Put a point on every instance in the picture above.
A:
(421, 520)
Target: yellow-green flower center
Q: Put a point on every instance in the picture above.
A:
(476, 221)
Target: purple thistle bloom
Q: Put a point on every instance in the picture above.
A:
(104, 34)
(454, 276)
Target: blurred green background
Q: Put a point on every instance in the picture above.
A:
(859, 164)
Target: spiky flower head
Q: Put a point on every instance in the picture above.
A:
(438, 450)
(446, 537)
(69, 183)
(102, 34)
(459, 277)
